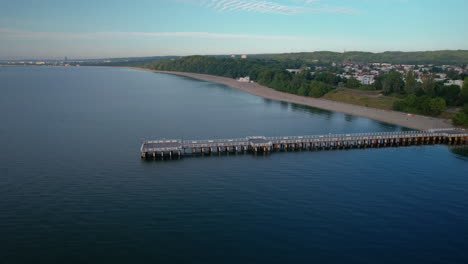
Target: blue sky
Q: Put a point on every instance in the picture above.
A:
(121, 28)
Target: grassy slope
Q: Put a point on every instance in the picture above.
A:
(362, 100)
(382, 102)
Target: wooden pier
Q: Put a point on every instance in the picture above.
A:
(176, 148)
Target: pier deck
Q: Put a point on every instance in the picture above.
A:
(176, 147)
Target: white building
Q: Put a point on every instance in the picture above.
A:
(294, 71)
(244, 79)
(442, 75)
(408, 67)
(365, 79)
(454, 82)
(244, 56)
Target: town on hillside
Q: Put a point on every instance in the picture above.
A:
(366, 74)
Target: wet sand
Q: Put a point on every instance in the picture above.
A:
(403, 119)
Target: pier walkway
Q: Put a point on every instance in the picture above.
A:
(174, 147)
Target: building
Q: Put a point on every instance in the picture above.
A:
(244, 56)
(454, 82)
(365, 78)
(244, 79)
(294, 71)
(408, 67)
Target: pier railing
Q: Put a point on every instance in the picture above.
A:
(325, 141)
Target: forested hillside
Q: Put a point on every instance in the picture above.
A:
(394, 57)
(268, 72)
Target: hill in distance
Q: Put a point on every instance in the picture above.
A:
(395, 57)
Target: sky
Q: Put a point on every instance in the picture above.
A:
(124, 28)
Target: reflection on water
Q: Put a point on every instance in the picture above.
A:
(268, 101)
(349, 118)
(284, 105)
(461, 151)
(312, 110)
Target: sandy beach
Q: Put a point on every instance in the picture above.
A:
(393, 117)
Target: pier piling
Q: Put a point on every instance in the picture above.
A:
(151, 149)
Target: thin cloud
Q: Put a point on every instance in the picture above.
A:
(292, 7)
(57, 37)
(252, 6)
(10, 34)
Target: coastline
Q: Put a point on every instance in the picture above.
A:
(398, 118)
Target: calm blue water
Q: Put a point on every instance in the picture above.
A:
(74, 190)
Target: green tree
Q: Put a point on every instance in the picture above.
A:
(378, 82)
(411, 83)
(297, 82)
(450, 93)
(318, 89)
(422, 104)
(281, 81)
(266, 77)
(453, 75)
(408, 104)
(437, 106)
(303, 90)
(428, 84)
(464, 92)
(392, 83)
(353, 83)
(461, 119)
(326, 77)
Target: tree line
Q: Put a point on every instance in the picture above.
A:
(268, 72)
(395, 57)
(427, 97)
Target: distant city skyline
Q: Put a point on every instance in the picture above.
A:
(86, 29)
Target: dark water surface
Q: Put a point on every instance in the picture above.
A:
(74, 190)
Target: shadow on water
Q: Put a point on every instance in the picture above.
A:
(267, 155)
(184, 77)
(283, 105)
(460, 151)
(392, 127)
(239, 155)
(268, 101)
(312, 110)
(349, 118)
(330, 114)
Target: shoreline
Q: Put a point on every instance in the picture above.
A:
(407, 120)
(393, 117)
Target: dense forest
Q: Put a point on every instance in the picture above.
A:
(268, 72)
(395, 57)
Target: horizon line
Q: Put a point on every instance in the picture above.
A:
(225, 54)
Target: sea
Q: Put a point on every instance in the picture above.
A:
(73, 188)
